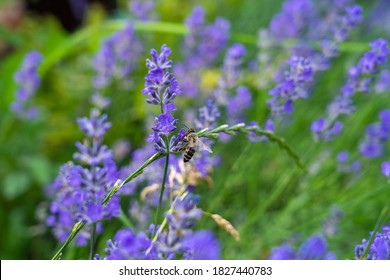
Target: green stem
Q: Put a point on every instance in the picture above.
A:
(181, 195)
(76, 229)
(123, 218)
(92, 245)
(162, 189)
(379, 222)
(136, 173)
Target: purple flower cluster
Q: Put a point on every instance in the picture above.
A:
(181, 220)
(314, 248)
(345, 166)
(231, 69)
(129, 246)
(202, 46)
(143, 9)
(383, 83)
(177, 242)
(292, 87)
(360, 78)
(292, 21)
(208, 115)
(376, 135)
(227, 84)
(161, 87)
(116, 59)
(80, 189)
(380, 247)
(28, 82)
(328, 22)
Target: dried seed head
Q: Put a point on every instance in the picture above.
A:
(149, 190)
(227, 226)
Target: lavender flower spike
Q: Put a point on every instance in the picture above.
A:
(293, 87)
(28, 82)
(380, 247)
(314, 248)
(161, 86)
(80, 189)
(360, 79)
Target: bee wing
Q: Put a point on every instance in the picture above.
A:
(203, 146)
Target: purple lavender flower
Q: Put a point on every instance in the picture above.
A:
(360, 78)
(314, 248)
(383, 83)
(293, 19)
(282, 252)
(343, 166)
(143, 9)
(327, 22)
(80, 189)
(376, 135)
(386, 169)
(128, 246)
(202, 46)
(238, 103)
(230, 73)
(380, 247)
(116, 59)
(201, 245)
(162, 87)
(348, 21)
(293, 87)
(28, 82)
(208, 115)
(181, 220)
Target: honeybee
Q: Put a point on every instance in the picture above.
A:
(192, 143)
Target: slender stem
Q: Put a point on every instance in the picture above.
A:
(92, 245)
(76, 229)
(136, 173)
(379, 222)
(125, 220)
(182, 194)
(162, 188)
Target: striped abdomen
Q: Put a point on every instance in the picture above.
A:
(188, 154)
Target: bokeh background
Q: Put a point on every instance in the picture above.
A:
(256, 187)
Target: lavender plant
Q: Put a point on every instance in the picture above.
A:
(28, 82)
(360, 78)
(79, 189)
(378, 248)
(314, 248)
(116, 60)
(202, 46)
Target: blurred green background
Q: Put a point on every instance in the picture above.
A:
(257, 187)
